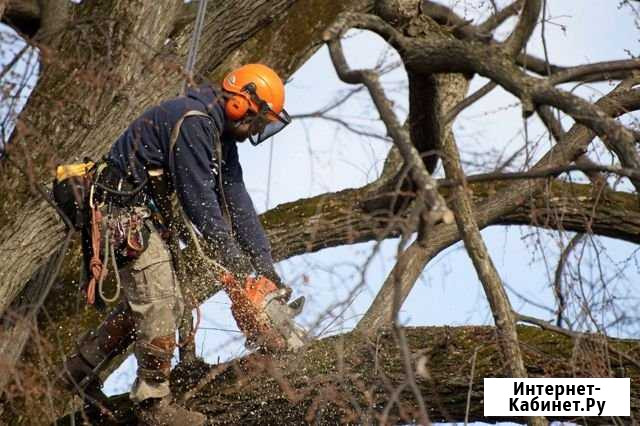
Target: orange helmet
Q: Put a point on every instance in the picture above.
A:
(268, 87)
(258, 89)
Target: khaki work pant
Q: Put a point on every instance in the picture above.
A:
(155, 297)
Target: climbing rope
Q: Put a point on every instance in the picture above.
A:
(193, 48)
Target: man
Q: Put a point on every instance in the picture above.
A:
(186, 145)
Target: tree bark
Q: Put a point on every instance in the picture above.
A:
(352, 378)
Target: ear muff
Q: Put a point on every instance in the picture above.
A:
(236, 107)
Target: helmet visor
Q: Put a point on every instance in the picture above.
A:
(266, 125)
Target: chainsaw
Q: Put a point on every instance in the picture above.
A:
(259, 307)
(262, 313)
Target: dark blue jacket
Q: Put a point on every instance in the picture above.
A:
(193, 170)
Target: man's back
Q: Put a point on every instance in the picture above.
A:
(145, 143)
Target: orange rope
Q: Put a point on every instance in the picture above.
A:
(95, 266)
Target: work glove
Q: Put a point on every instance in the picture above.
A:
(272, 275)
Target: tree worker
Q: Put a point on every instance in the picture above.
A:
(190, 143)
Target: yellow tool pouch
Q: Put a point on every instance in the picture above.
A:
(66, 171)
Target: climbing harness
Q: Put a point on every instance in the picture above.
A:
(93, 195)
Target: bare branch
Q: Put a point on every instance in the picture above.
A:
(399, 135)
(487, 273)
(540, 67)
(543, 173)
(461, 28)
(436, 54)
(500, 206)
(597, 71)
(468, 101)
(495, 20)
(553, 125)
(557, 280)
(526, 24)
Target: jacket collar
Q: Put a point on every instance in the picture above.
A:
(210, 98)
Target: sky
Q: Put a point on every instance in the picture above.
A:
(314, 156)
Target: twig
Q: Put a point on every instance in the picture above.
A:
(557, 282)
(473, 369)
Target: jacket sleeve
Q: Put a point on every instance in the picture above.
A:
(195, 180)
(246, 224)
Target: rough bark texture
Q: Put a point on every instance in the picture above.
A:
(351, 378)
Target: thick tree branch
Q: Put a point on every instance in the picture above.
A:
(461, 28)
(486, 270)
(576, 335)
(312, 387)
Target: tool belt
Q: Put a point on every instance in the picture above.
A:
(110, 212)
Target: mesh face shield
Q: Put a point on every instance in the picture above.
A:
(266, 122)
(265, 126)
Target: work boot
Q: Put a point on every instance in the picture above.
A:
(151, 388)
(165, 412)
(95, 350)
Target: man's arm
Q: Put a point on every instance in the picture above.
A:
(195, 182)
(246, 224)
